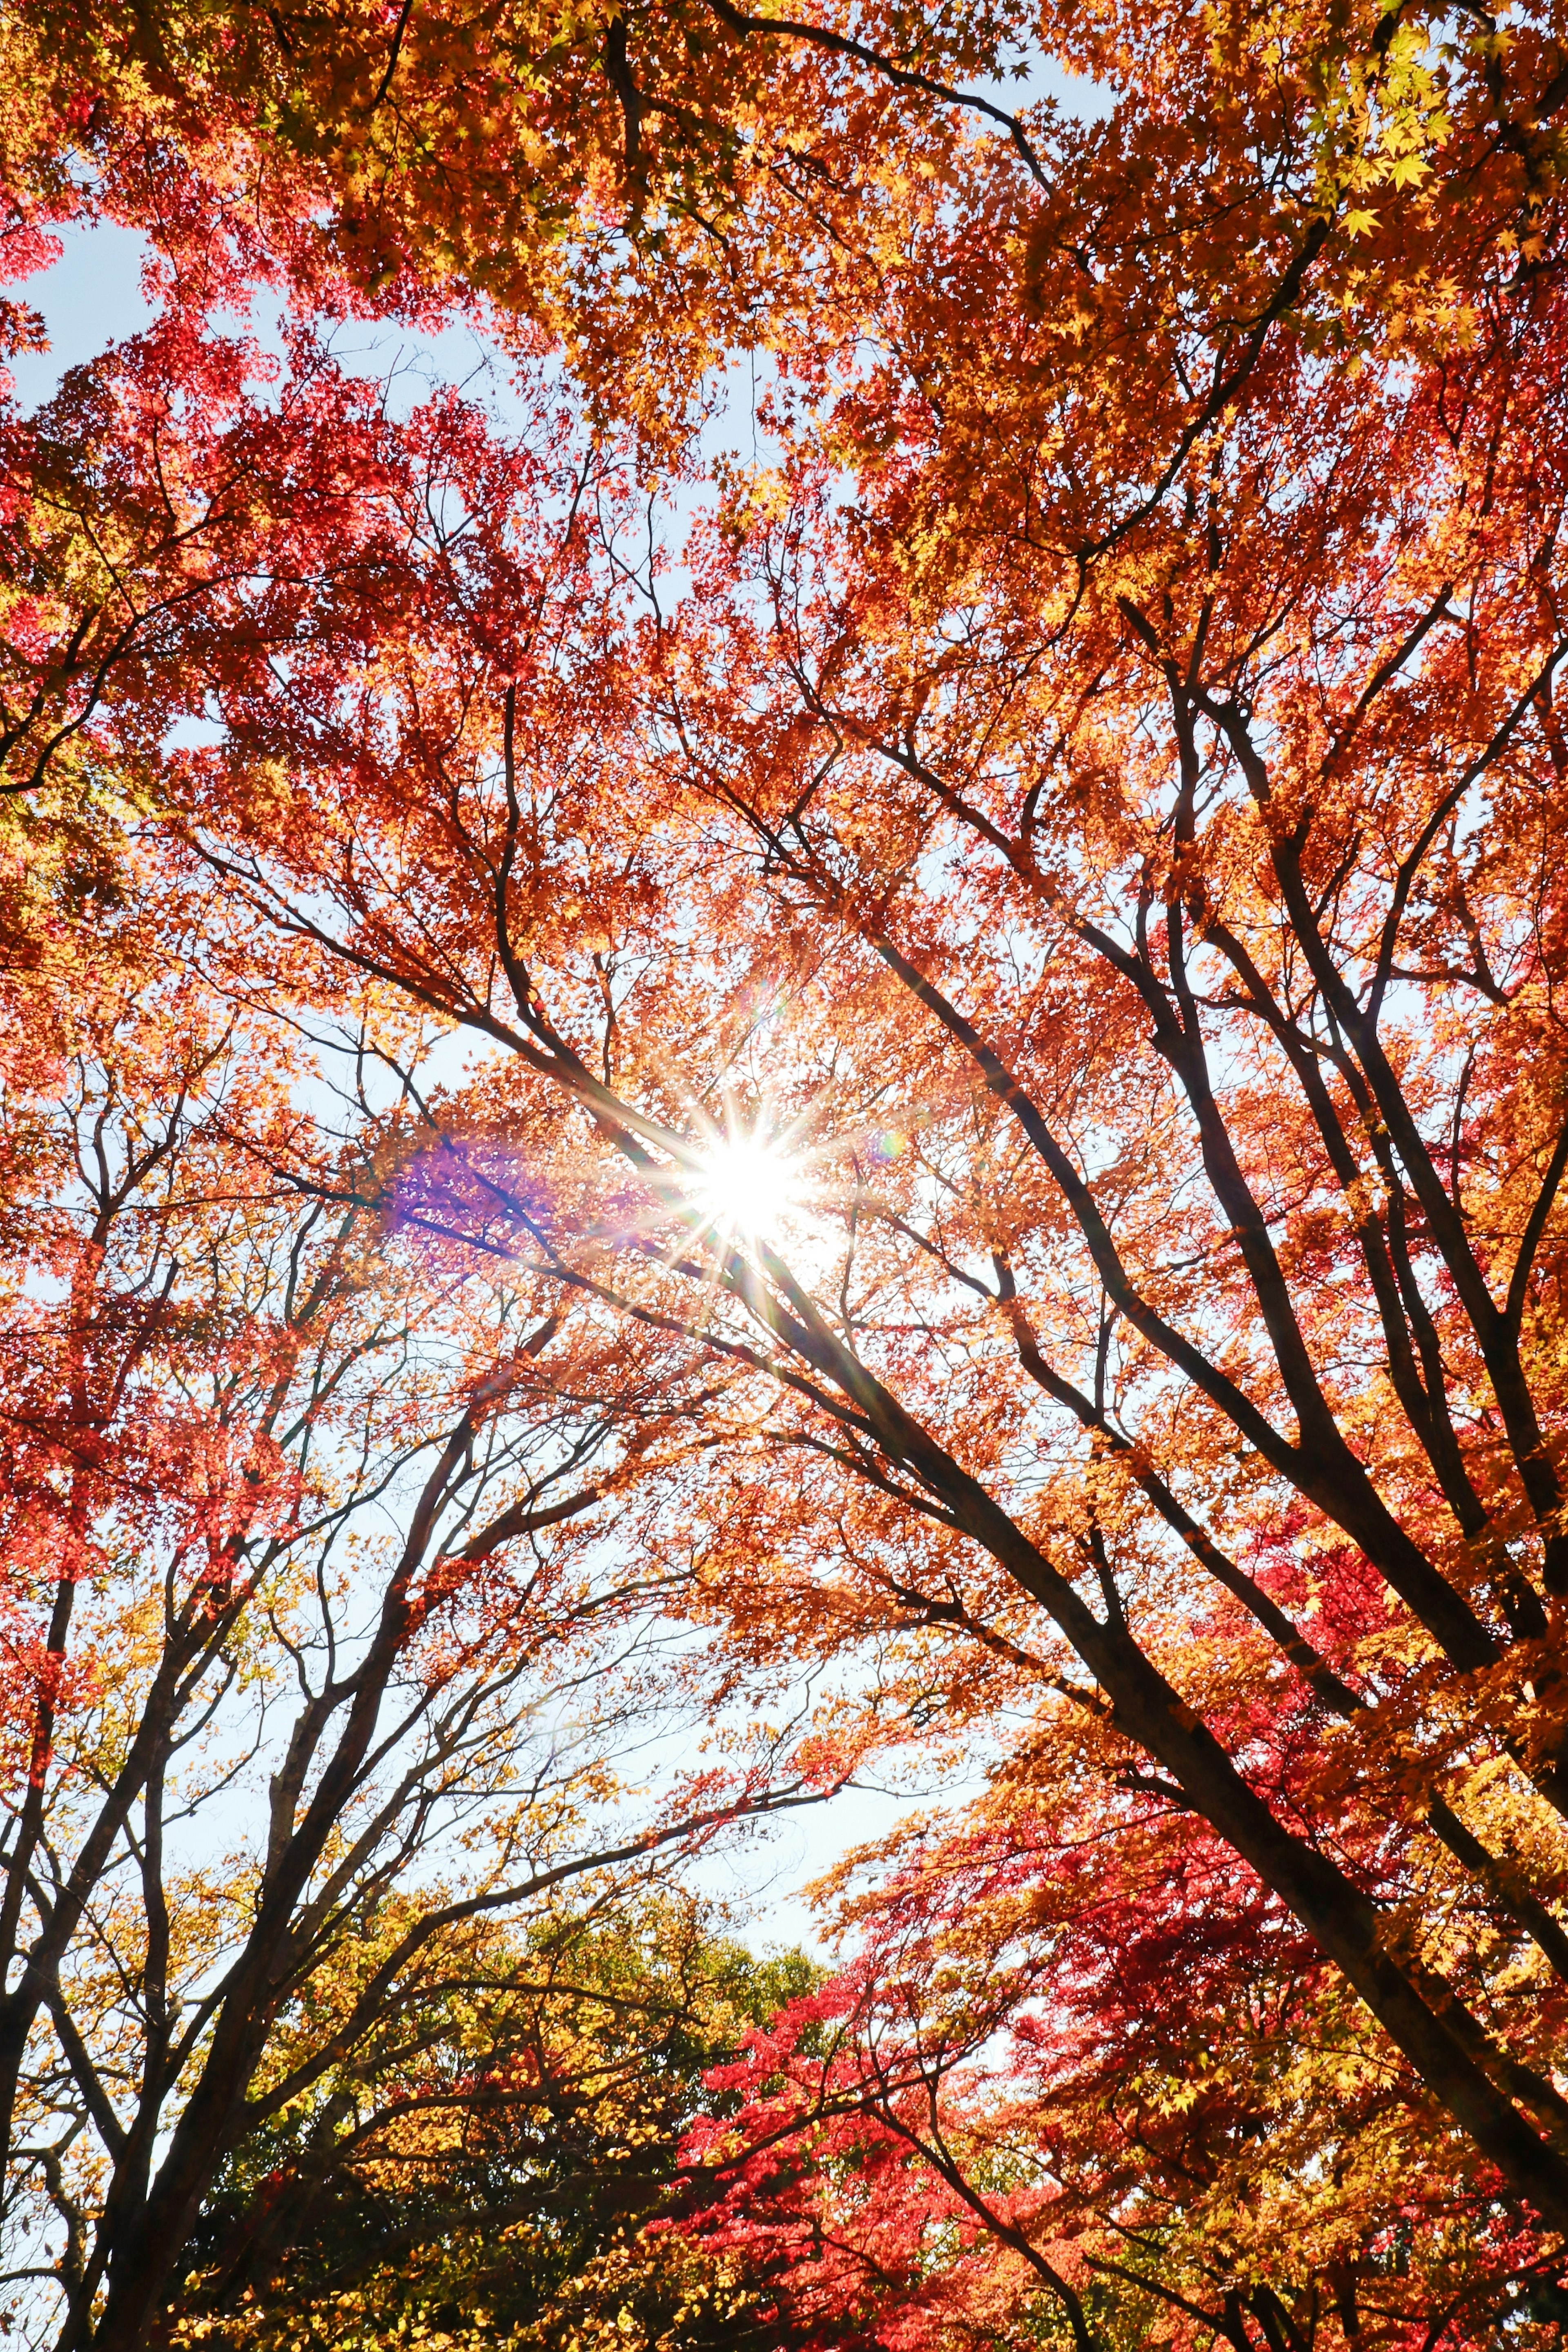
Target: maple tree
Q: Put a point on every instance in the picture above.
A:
(311, 1666)
(664, 185)
(1034, 988)
(665, 868)
(1077, 2085)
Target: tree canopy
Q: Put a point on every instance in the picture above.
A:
(890, 1092)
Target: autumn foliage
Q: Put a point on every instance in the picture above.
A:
(694, 1109)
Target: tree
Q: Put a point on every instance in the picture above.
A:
(501, 2153)
(312, 1665)
(1095, 822)
(1137, 1006)
(164, 484)
(1077, 2085)
(663, 184)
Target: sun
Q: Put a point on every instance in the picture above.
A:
(745, 1184)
